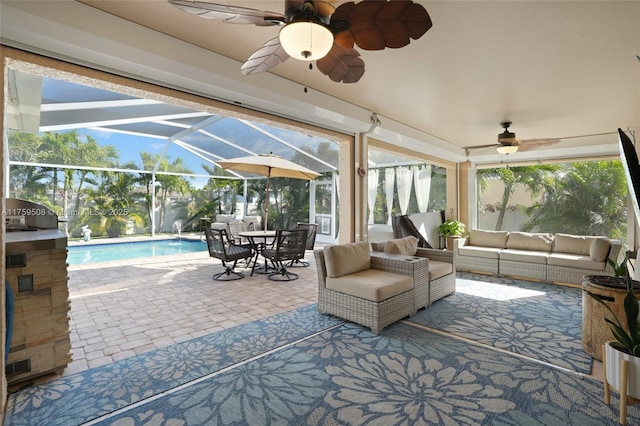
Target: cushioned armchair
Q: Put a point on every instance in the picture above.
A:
(288, 247)
(221, 247)
(440, 280)
(367, 290)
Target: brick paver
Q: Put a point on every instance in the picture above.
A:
(124, 308)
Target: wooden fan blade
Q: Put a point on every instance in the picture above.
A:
(494, 145)
(265, 58)
(229, 14)
(530, 144)
(323, 8)
(377, 24)
(342, 64)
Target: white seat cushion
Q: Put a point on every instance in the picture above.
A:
(476, 251)
(524, 256)
(575, 261)
(439, 269)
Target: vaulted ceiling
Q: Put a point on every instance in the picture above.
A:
(560, 70)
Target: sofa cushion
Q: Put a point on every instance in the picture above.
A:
(575, 261)
(371, 284)
(599, 249)
(224, 218)
(479, 237)
(252, 222)
(573, 244)
(526, 256)
(439, 269)
(407, 246)
(474, 251)
(529, 241)
(343, 259)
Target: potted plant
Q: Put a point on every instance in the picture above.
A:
(451, 229)
(622, 355)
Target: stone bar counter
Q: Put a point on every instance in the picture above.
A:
(36, 270)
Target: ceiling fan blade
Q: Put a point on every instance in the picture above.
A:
(375, 24)
(470, 148)
(323, 8)
(342, 64)
(229, 14)
(531, 144)
(268, 56)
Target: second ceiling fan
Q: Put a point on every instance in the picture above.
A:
(508, 144)
(316, 30)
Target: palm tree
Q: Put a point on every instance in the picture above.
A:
(27, 182)
(112, 204)
(88, 153)
(532, 177)
(584, 199)
(169, 183)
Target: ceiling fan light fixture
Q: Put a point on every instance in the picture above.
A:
(306, 40)
(507, 149)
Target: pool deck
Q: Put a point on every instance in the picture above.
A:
(124, 308)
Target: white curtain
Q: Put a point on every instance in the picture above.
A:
(372, 191)
(404, 177)
(422, 181)
(389, 186)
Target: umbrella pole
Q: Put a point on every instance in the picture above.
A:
(266, 202)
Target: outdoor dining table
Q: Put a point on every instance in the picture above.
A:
(258, 240)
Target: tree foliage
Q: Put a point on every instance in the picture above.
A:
(531, 177)
(587, 198)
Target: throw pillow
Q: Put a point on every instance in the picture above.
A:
(529, 241)
(479, 237)
(573, 244)
(344, 259)
(599, 249)
(407, 246)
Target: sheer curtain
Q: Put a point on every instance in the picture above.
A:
(404, 177)
(372, 191)
(389, 184)
(422, 181)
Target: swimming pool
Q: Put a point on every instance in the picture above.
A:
(92, 253)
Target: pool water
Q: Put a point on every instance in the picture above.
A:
(92, 253)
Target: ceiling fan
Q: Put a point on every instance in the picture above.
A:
(508, 144)
(316, 30)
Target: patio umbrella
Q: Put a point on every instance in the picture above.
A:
(268, 165)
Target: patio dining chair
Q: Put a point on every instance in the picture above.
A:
(288, 246)
(222, 247)
(235, 227)
(312, 230)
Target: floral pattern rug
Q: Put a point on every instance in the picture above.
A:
(542, 321)
(303, 368)
(81, 397)
(406, 376)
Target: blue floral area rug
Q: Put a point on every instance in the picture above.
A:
(542, 321)
(406, 376)
(79, 398)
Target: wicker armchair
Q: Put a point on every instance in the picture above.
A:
(374, 297)
(440, 279)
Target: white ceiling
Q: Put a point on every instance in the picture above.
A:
(556, 69)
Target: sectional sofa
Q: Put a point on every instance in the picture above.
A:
(559, 258)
